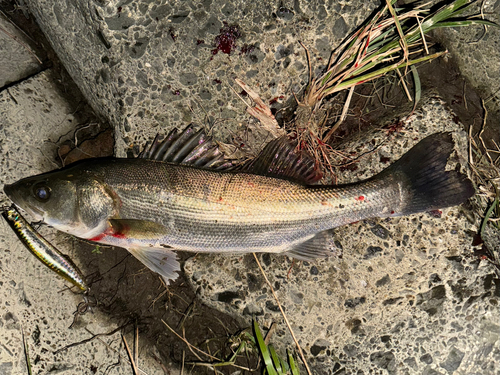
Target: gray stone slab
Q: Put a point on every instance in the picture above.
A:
(147, 66)
(17, 59)
(34, 300)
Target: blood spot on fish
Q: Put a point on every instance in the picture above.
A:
(361, 198)
(119, 235)
(220, 199)
(392, 212)
(251, 184)
(98, 237)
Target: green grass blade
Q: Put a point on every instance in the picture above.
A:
(380, 40)
(276, 360)
(460, 9)
(26, 353)
(241, 347)
(372, 75)
(461, 23)
(293, 366)
(416, 81)
(263, 350)
(488, 215)
(444, 13)
(398, 27)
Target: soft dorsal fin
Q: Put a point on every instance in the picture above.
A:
(281, 159)
(188, 147)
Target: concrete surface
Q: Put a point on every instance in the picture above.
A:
(149, 65)
(476, 51)
(33, 300)
(405, 298)
(17, 59)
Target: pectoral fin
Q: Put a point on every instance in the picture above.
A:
(322, 245)
(138, 229)
(159, 260)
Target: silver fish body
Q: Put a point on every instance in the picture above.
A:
(43, 250)
(152, 207)
(212, 211)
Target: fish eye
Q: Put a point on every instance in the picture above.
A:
(42, 192)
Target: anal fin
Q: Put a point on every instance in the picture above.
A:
(159, 260)
(322, 245)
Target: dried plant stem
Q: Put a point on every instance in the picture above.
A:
(190, 346)
(136, 344)
(342, 116)
(301, 353)
(130, 357)
(26, 352)
(13, 37)
(405, 87)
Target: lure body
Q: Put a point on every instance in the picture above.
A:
(43, 250)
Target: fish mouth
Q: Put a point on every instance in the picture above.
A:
(14, 195)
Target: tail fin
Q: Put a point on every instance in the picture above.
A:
(422, 175)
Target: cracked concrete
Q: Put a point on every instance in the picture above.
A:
(17, 59)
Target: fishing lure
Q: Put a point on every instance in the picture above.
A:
(43, 250)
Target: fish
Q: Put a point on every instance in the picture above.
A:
(44, 250)
(182, 194)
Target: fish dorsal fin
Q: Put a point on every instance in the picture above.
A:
(281, 159)
(322, 245)
(187, 147)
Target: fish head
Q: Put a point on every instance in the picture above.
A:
(70, 199)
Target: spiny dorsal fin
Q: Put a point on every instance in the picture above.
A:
(280, 159)
(188, 147)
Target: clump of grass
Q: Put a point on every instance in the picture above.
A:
(393, 39)
(249, 342)
(273, 363)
